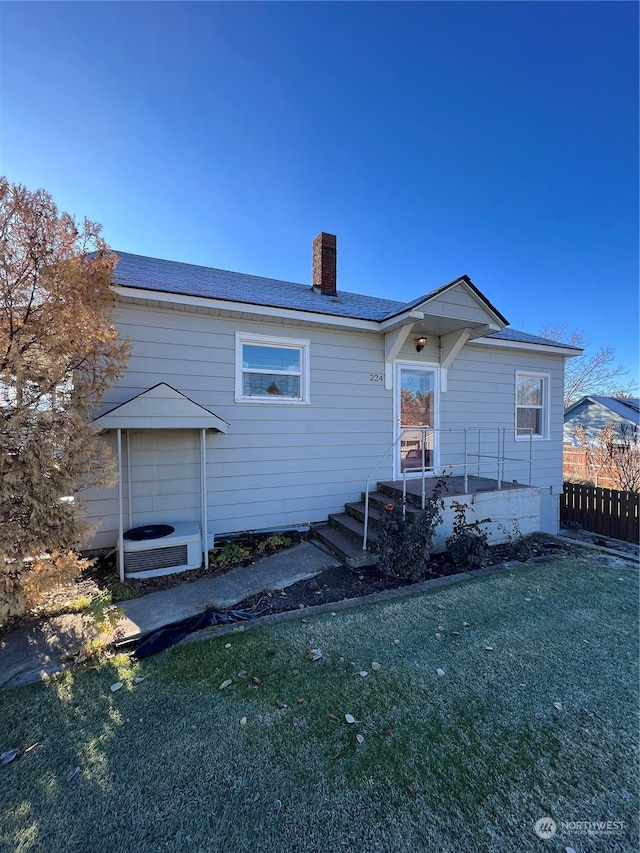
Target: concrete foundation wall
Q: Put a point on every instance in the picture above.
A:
(501, 507)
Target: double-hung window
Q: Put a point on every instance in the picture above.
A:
(270, 369)
(532, 405)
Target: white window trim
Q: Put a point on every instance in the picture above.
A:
(270, 340)
(546, 377)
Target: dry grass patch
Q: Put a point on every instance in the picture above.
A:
(536, 715)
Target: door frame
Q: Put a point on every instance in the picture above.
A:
(434, 368)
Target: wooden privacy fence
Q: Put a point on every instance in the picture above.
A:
(575, 464)
(604, 511)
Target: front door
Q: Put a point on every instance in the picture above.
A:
(416, 407)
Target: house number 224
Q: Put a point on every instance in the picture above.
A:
(375, 377)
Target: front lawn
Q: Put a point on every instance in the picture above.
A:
(485, 706)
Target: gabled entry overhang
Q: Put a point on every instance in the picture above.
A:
(453, 315)
(434, 301)
(451, 308)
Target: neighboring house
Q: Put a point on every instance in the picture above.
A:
(594, 413)
(588, 461)
(255, 404)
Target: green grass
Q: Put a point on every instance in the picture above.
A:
(463, 762)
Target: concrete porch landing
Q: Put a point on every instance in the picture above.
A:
(455, 486)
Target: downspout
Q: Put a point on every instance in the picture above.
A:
(120, 510)
(203, 489)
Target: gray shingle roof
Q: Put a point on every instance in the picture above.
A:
(163, 276)
(191, 280)
(626, 407)
(526, 338)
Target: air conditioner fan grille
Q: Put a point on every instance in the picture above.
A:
(155, 558)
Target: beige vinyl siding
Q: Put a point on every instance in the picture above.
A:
(165, 482)
(481, 392)
(481, 387)
(457, 302)
(284, 465)
(278, 465)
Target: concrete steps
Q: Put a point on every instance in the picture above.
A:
(343, 533)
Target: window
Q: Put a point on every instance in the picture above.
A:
(273, 370)
(532, 407)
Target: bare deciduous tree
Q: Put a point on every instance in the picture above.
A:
(614, 454)
(625, 458)
(589, 373)
(59, 352)
(597, 451)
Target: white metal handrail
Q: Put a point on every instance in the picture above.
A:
(498, 460)
(366, 494)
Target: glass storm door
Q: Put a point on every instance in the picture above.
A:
(416, 408)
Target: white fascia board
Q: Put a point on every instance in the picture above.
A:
(405, 319)
(248, 308)
(481, 331)
(530, 347)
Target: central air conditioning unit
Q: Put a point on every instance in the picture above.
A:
(162, 549)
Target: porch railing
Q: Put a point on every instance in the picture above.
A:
(476, 455)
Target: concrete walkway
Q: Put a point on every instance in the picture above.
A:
(37, 651)
(150, 612)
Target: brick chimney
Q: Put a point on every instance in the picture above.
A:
(325, 264)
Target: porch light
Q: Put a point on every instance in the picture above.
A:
(420, 344)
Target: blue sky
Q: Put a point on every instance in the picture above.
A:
(435, 139)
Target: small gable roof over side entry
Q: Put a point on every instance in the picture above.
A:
(160, 407)
(459, 298)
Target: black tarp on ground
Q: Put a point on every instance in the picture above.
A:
(168, 636)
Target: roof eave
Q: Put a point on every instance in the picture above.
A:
(556, 349)
(212, 303)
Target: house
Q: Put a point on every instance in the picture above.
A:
(255, 404)
(594, 413)
(583, 458)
